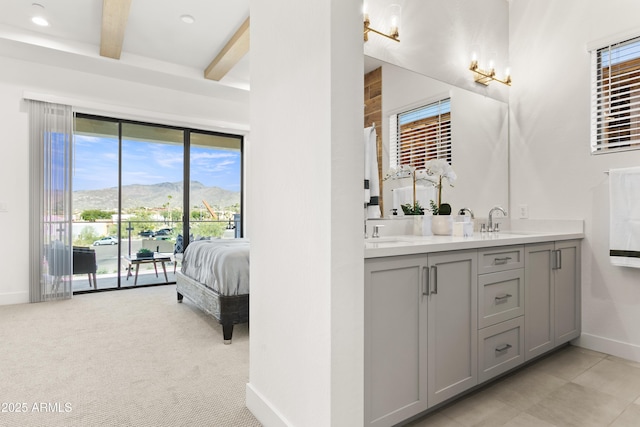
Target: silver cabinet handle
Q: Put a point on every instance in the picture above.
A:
(502, 298)
(501, 261)
(503, 348)
(559, 252)
(557, 259)
(435, 279)
(425, 281)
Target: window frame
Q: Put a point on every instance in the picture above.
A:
(395, 136)
(619, 92)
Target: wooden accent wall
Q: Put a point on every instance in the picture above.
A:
(373, 97)
(373, 114)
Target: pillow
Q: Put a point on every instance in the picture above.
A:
(178, 248)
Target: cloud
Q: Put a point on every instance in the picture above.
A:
(96, 164)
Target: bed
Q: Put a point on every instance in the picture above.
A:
(215, 276)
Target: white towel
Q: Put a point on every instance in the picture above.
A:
(404, 195)
(624, 228)
(371, 183)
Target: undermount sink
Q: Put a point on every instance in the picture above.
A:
(517, 233)
(387, 240)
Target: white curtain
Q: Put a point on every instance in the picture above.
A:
(50, 135)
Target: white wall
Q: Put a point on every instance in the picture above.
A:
(95, 94)
(307, 256)
(14, 192)
(552, 170)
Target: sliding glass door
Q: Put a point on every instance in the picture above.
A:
(95, 183)
(131, 182)
(215, 165)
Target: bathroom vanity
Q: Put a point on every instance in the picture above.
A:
(445, 314)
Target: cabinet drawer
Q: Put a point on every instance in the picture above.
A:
(500, 258)
(500, 297)
(500, 348)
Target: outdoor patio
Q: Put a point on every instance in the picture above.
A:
(146, 276)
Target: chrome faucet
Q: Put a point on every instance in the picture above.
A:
(376, 228)
(496, 208)
(463, 210)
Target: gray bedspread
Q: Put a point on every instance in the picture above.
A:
(220, 264)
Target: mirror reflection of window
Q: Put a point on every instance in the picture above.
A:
(421, 134)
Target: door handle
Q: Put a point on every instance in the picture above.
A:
(557, 259)
(425, 281)
(501, 261)
(503, 348)
(434, 268)
(559, 252)
(503, 298)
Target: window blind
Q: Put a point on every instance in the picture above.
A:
(421, 134)
(50, 251)
(615, 97)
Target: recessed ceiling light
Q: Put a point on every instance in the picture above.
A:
(187, 19)
(38, 17)
(39, 20)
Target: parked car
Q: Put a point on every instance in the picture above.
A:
(147, 233)
(109, 240)
(164, 232)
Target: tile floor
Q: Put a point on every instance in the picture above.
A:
(572, 387)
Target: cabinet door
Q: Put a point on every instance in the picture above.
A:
(567, 291)
(395, 339)
(538, 297)
(452, 324)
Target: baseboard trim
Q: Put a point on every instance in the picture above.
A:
(14, 298)
(262, 409)
(617, 348)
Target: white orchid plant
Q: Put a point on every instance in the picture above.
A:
(434, 172)
(438, 170)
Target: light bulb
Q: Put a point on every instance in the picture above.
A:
(394, 14)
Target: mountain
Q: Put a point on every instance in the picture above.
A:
(153, 196)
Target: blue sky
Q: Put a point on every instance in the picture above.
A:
(96, 164)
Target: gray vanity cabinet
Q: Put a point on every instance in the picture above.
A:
(452, 324)
(420, 333)
(437, 324)
(552, 295)
(395, 328)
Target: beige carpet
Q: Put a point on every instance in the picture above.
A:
(125, 358)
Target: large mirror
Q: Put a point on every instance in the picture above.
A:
(479, 135)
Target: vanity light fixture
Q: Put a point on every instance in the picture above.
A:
(487, 76)
(38, 17)
(394, 19)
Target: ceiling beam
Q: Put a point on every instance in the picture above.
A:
(229, 56)
(114, 20)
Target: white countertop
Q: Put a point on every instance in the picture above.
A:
(408, 244)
